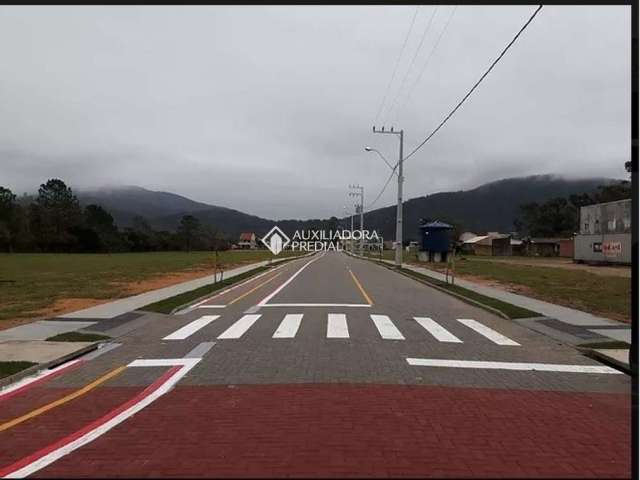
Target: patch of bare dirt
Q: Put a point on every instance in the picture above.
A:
(166, 280)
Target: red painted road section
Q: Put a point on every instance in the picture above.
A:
(363, 430)
(87, 427)
(37, 433)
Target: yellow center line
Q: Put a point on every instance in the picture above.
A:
(252, 290)
(61, 401)
(362, 291)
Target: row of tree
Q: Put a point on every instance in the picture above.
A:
(560, 217)
(56, 222)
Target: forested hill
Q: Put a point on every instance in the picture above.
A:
(490, 207)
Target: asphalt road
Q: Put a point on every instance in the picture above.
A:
(325, 366)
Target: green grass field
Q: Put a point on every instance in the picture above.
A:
(608, 296)
(30, 283)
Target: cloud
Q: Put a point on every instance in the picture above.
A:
(266, 109)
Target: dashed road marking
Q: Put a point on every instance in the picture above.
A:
(240, 327)
(543, 367)
(191, 328)
(439, 332)
(487, 332)
(337, 326)
(386, 328)
(289, 326)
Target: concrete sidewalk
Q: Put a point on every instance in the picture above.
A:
(129, 304)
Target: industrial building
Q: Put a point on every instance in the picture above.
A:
(605, 233)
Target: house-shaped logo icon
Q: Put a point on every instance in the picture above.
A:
(275, 240)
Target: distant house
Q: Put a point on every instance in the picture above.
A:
(517, 246)
(491, 244)
(466, 236)
(247, 241)
(545, 247)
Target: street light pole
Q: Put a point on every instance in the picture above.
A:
(359, 192)
(398, 259)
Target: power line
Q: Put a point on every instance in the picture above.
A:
(395, 70)
(424, 66)
(413, 60)
(476, 84)
(383, 188)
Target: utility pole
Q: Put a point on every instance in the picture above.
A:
(358, 191)
(398, 261)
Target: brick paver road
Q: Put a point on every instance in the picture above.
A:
(325, 366)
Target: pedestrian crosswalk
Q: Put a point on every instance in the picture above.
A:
(338, 327)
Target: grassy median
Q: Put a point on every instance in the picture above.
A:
(33, 285)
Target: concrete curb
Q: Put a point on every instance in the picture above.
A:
(606, 359)
(50, 364)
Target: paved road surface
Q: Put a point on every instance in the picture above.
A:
(324, 366)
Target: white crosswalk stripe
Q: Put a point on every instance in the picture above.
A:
(386, 328)
(337, 326)
(439, 332)
(240, 327)
(191, 328)
(289, 326)
(487, 332)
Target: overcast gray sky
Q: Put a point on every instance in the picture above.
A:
(267, 109)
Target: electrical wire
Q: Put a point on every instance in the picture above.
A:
(413, 60)
(475, 85)
(395, 70)
(424, 66)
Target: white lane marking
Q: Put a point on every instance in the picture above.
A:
(387, 329)
(316, 305)
(191, 328)
(48, 459)
(34, 378)
(438, 331)
(227, 290)
(487, 332)
(240, 327)
(164, 362)
(337, 326)
(289, 280)
(289, 326)
(543, 367)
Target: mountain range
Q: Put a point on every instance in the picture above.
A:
(490, 207)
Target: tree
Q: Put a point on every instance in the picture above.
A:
(8, 208)
(189, 229)
(98, 220)
(55, 213)
(554, 218)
